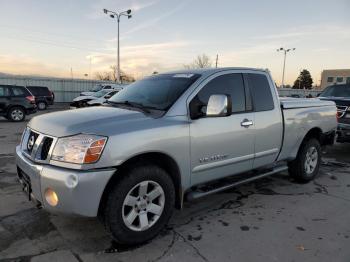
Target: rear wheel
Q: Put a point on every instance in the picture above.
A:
(139, 205)
(42, 105)
(16, 114)
(307, 163)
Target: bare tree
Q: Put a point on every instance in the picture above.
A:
(201, 61)
(112, 75)
(105, 76)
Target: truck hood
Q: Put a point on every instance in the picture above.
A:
(102, 121)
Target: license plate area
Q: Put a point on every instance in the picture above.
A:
(24, 179)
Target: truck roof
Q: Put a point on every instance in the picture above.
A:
(209, 71)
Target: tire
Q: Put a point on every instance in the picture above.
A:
(307, 163)
(16, 114)
(125, 203)
(42, 105)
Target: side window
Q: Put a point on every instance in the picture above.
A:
(4, 91)
(18, 91)
(229, 84)
(107, 87)
(261, 92)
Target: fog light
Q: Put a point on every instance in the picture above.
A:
(51, 197)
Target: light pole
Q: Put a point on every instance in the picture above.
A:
(285, 51)
(118, 16)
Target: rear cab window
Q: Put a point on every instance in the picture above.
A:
(261, 92)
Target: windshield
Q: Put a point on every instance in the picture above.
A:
(96, 88)
(336, 91)
(158, 92)
(101, 93)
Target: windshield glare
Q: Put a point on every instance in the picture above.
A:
(158, 92)
(337, 91)
(96, 88)
(100, 93)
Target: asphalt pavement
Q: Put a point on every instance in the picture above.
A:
(273, 219)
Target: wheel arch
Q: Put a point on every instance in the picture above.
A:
(157, 158)
(314, 132)
(14, 106)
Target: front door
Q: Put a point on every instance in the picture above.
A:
(222, 146)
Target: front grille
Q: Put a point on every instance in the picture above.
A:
(31, 141)
(36, 146)
(45, 148)
(342, 110)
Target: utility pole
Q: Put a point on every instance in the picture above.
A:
(216, 63)
(117, 16)
(285, 51)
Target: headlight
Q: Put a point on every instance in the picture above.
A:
(79, 149)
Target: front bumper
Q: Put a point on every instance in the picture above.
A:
(82, 199)
(343, 133)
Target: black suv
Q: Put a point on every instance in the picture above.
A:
(43, 96)
(16, 102)
(340, 94)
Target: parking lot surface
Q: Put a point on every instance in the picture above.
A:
(273, 219)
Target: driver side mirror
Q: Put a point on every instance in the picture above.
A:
(219, 106)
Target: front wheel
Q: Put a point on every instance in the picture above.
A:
(16, 114)
(139, 205)
(307, 163)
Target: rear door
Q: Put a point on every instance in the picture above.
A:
(222, 146)
(268, 118)
(18, 96)
(5, 99)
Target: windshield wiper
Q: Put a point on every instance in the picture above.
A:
(131, 104)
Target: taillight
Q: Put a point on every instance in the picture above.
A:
(51, 93)
(31, 99)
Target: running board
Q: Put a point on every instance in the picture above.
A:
(237, 181)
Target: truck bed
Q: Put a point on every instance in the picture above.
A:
(299, 117)
(290, 103)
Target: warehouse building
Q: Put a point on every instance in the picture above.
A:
(334, 77)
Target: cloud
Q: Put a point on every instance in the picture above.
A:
(157, 19)
(308, 31)
(143, 59)
(26, 65)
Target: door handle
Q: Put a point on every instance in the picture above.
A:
(246, 123)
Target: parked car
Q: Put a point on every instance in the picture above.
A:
(167, 139)
(82, 101)
(16, 102)
(102, 100)
(99, 87)
(43, 96)
(340, 94)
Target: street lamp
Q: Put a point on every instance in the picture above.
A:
(285, 51)
(118, 16)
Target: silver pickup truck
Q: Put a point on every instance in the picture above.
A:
(166, 139)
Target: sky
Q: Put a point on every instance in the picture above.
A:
(63, 38)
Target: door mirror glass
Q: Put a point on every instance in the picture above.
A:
(219, 105)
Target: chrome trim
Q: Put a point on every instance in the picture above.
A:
(342, 110)
(222, 163)
(266, 153)
(247, 123)
(35, 154)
